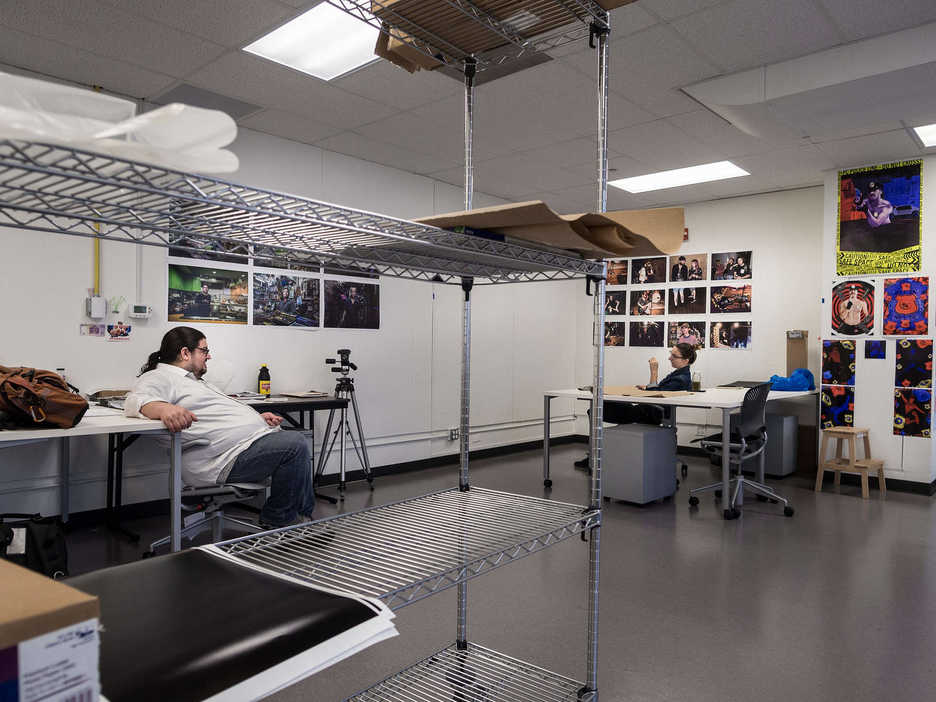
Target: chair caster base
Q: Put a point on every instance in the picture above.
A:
(685, 470)
(788, 511)
(547, 483)
(730, 514)
(693, 501)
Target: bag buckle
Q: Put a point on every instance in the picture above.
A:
(32, 412)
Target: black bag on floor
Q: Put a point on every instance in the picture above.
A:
(37, 543)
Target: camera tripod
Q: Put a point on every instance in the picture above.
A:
(344, 390)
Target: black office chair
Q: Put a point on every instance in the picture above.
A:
(745, 442)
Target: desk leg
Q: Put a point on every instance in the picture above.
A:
(175, 491)
(726, 463)
(547, 400)
(64, 476)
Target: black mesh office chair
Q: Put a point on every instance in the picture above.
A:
(745, 442)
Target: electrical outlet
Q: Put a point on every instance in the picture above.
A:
(453, 434)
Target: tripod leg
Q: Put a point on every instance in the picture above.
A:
(323, 454)
(357, 421)
(342, 428)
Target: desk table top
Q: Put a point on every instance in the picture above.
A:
(717, 398)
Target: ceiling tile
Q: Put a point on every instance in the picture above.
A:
(724, 138)
(231, 23)
(671, 9)
(263, 82)
(367, 149)
(388, 84)
(802, 163)
(575, 152)
(106, 31)
(867, 18)
(583, 198)
(517, 176)
(71, 64)
(747, 33)
(874, 148)
(618, 167)
(661, 146)
(289, 126)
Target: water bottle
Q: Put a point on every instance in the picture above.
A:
(263, 381)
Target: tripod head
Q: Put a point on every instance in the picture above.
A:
(342, 364)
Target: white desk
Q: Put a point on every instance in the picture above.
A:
(728, 400)
(104, 421)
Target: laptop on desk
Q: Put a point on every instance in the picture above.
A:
(743, 384)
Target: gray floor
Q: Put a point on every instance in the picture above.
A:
(833, 604)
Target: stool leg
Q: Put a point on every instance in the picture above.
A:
(867, 446)
(882, 486)
(839, 455)
(820, 469)
(865, 493)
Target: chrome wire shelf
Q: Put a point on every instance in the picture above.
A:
(69, 191)
(405, 551)
(476, 674)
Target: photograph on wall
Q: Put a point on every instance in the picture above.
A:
(615, 334)
(906, 306)
(648, 270)
(285, 300)
(731, 265)
(92, 330)
(875, 349)
(879, 219)
(914, 365)
(853, 308)
(118, 331)
(213, 295)
(617, 273)
(650, 302)
(646, 334)
(688, 300)
(616, 302)
(688, 267)
(692, 333)
(912, 407)
(838, 406)
(838, 362)
(730, 299)
(730, 335)
(352, 305)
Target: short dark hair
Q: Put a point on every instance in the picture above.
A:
(173, 342)
(687, 351)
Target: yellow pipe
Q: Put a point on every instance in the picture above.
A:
(97, 263)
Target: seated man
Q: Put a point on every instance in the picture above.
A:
(232, 442)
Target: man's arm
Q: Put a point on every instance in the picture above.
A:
(175, 418)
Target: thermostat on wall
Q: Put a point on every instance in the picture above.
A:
(140, 311)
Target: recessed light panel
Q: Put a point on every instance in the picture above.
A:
(927, 134)
(680, 176)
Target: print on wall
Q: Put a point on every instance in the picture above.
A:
(727, 299)
(838, 362)
(617, 273)
(875, 349)
(692, 333)
(210, 295)
(906, 306)
(285, 300)
(616, 302)
(648, 302)
(914, 364)
(646, 333)
(615, 334)
(853, 308)
(731, 265)
(688, 300)
(730, 335)
(838, 406)
(688, 267)
(648, 270)
(912, 408)
(879, 217)
(352, 305)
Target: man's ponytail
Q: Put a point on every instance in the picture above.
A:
(172, 344)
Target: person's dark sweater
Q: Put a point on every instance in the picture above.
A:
(679, 379)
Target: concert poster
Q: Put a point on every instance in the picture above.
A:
(617, 273)
(615, 334)
(646, 334)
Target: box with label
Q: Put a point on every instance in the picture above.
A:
(49, 642)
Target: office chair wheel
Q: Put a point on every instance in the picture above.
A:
(693, 501)
(788, 511)
(149, 554)
(547, 483)
(733, 513)
(685, 470)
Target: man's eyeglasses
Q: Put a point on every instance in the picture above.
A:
(203, 349)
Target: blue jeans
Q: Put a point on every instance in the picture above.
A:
(282, 456)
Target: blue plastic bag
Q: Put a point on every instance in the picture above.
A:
(801, 379)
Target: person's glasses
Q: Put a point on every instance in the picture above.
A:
(203, 349)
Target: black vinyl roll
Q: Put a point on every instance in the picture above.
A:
(189, 625)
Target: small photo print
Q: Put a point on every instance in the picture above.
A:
(838, 362)
(352, 305)
(648, 270)
(615, 334)
(692, 333)
(730, 335)
(92, 330)
(207, 295)
(616, 302)
(912, 408)
(838, 406)
(731, 265)
(646, 333)
(914, 367)
(648, 302)
(875, 349)
(731, 299)
(906, 306)
(853, 308)
(688, 267)
(688, 300)
(285, 300)
(118, 332)
(617, 273)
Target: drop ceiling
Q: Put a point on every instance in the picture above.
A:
(534, 130)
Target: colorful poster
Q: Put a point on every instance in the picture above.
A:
(914, 366)
(879, 217)
(688, 300)
(906, 306)
(731, 265)
(853, 308)
(646, 333)
(616, 302)
(352, 305)
(617, 273)
(688, 267)
(692, 333)
(207, 295)
(615, 334)
(730, 335)
(285, 300)
(730, 299)
(912, 412)
(119, 331)
(838, 362)
(875, 349)
(838, 406)
(648, 270)
(648, 302)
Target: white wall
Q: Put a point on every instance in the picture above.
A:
(905, 457)
(408, 383)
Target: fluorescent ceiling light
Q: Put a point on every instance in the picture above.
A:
(927, 134)
(680, 176)
(324, 42)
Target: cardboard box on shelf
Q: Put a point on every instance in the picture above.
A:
(49, 643)
(401, 54)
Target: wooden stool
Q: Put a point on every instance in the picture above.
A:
(852, 464)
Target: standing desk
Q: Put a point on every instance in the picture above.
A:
(728, 400)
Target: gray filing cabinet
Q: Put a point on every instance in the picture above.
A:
(780, 459)
(639, 463)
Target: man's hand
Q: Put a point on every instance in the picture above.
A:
(273, 420)
(174, 418)
(654, 366)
